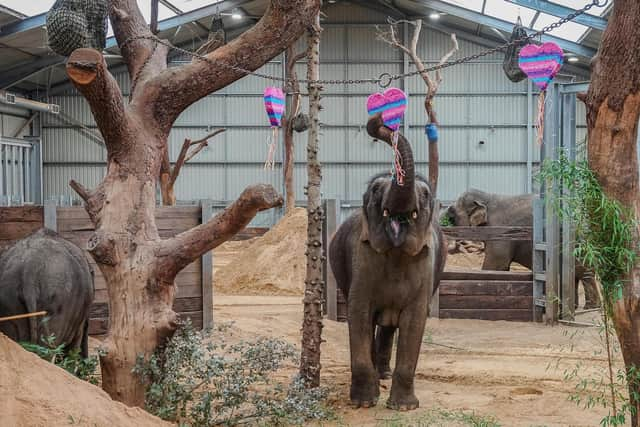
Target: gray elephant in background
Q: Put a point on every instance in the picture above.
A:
(477, 208)
(44, 272)
(387, 259)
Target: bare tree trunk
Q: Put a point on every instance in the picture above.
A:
(169, 175)
(312, 323)
(138, 266)
(613, 110)
(410, 48)
(293, 107)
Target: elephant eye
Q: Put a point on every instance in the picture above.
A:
(414, 215)
(385, 213)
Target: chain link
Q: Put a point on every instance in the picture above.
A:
(385, 79)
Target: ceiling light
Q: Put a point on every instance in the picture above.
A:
(434, 16)
(332, 1)
(236, 13)
(573, 59)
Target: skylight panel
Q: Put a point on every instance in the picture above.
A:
(475, 5)
(509, 12)
(29, 7)
(579, 4)
(189, 5)
(37, 7)
(569, 31)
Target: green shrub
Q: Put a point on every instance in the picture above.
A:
(72, 362)
(198, 379)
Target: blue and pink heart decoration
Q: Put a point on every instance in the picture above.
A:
(392, 103)
(541, 64)
(274, 105)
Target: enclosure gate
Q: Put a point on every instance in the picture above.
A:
(553, 238)
(20, 172)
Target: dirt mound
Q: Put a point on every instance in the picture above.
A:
(273, 264)
(36, 393)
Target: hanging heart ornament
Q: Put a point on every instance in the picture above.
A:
(274, 104)
(392, 104)
(541, 63)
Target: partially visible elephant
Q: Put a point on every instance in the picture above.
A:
(477, 208)
(387, 261)
(44, 272)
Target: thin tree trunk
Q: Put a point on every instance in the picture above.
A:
(613, 111)
(312, 323)
(138, 266)
(293, 103)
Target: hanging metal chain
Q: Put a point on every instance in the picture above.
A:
(384, 79)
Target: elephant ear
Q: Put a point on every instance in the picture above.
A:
(478, 214)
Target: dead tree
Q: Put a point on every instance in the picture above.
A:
(169, 175)
(292, 89)
(613, 110)
(390, 37)
(138, 266)
(312, 322)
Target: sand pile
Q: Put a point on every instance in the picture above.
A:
(36, 393)
(273, 264)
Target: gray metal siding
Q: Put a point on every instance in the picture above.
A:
(476, 103)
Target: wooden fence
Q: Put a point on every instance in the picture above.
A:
(463, 294)
(194, 295)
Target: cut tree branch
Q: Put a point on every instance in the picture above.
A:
(88, 71)
(93, 200)
(128, 23)
(177, 88)
(176, 253)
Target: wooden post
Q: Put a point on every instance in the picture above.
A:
(50, 215)
(569, 296)
(332, 213)
(434, 304)
(552, 226)
(207, 271)
(539, 259)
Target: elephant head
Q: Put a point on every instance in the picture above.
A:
(397, 216)
(470, 209)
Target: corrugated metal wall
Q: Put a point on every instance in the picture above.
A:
(484, 138)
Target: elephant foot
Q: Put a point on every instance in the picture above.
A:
(407, 403)
(364, 395)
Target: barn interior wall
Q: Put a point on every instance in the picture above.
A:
(484, 143)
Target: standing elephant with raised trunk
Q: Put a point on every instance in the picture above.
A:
(387, 261)
(477, 208)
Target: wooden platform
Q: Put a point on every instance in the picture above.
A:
(486, 295)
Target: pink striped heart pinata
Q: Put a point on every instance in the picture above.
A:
(541, 63)
(392, 104)
(274, 104)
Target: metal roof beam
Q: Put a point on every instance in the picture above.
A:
(17, 74)
(27, 24)
(490, 43)
(560, 11)
(489, 21)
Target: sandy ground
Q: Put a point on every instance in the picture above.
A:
(511, 371)
(508, 370)
(34, 393)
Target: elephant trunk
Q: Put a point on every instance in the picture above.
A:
(401, 197)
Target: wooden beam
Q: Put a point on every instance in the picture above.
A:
(207, 271)
(489, 233)
(510, 276)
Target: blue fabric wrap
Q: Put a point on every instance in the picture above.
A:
(432, 132)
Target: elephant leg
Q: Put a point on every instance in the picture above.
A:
(384, 345)
(412, 323)
(591, 296)
(364, 378)
(577, 295)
